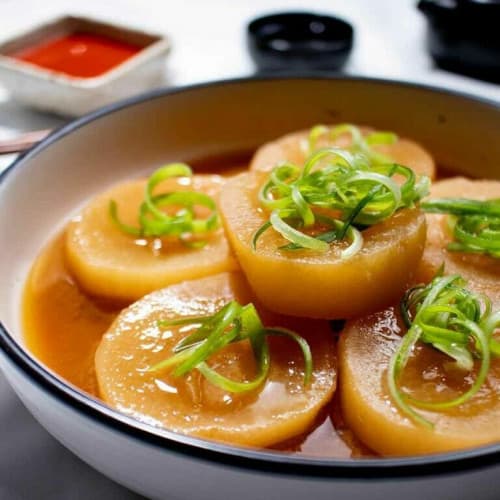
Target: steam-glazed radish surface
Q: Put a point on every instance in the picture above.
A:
(109, 263)
(483, 271)
(332, 300)
(280, 409)
(321, 285)
(293, 147)
(365, 350)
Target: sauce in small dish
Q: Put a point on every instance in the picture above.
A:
(73, 65)
(81, 55)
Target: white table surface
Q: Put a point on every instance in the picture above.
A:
(208, 39)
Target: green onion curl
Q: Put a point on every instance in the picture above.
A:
(230, 324)
(475, 224)
(357, 193)
(183, 224)
(360, 143)
(454, 320)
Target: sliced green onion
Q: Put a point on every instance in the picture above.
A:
(358, 192)
(262, 229)
(183, 224)
(303, 208)
(160, 175)
(217, 338)
(453, 320)
(314, 135)
(359, 143)
(232, 323)
(356, 243)
(380, 180)
(113, 212)
(475, 224)
(297, 237)
(304, 347)
(381, 138)
(463, 206)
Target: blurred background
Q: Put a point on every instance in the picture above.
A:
(208, 42)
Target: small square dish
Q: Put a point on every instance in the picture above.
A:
(73, 65)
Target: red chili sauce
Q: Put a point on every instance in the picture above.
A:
(82, 55)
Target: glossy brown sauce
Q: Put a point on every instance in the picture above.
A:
(63, 327)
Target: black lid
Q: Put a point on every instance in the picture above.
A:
(463, 35)
(484, 11)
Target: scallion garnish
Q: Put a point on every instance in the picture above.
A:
(232, 323)
(336, 190)
(475, 225)
(359, 143)
(453, 320)
(184, 223)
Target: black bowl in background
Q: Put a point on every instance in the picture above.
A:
(463, 36)
(299, 41)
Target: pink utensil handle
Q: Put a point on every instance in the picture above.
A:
(22, 142)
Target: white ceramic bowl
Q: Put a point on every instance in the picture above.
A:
(41, 190)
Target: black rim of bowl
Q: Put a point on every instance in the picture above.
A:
(232, 456)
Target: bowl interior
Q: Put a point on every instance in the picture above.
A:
(45, 187)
